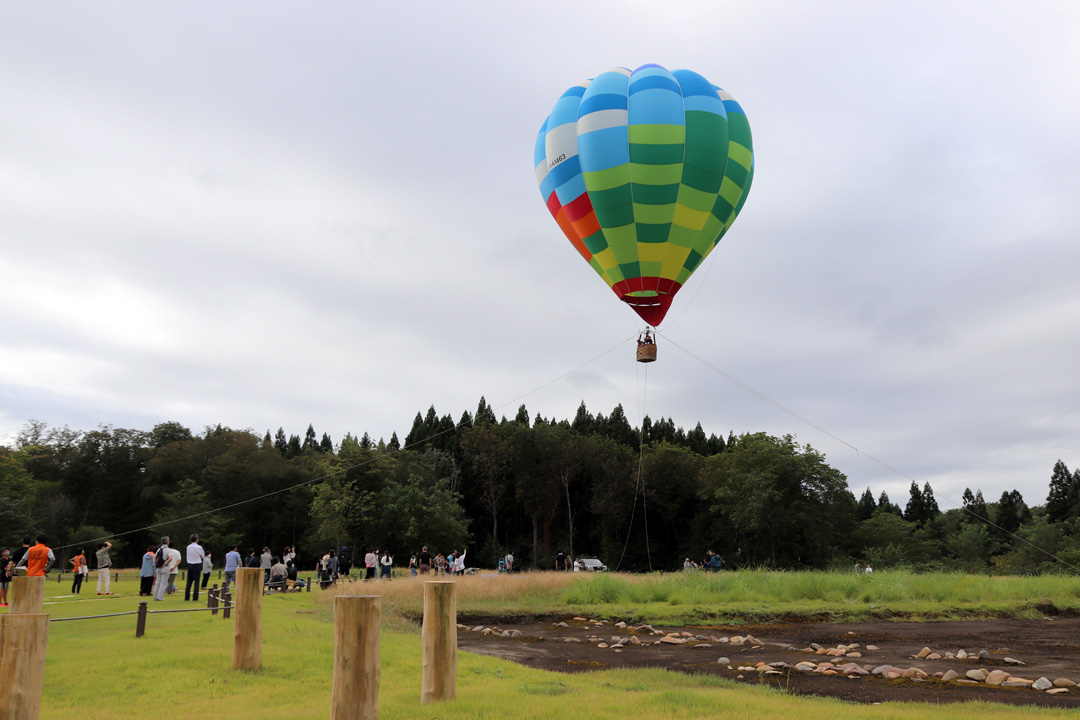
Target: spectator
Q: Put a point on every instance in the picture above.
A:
(7, 567)
(387, 564)
(414, 565)
(424, 558)
(161, 569)
(207, 568)
(440, 564)
(509, 561)
(195, 555)
(232, 561)
(146, 573)
(577, 565)
(17, 555)
(715, 562)
(79, 568)
(252, 560)
(371, 561)
(104, 568)
(560, 561)
(869, 570)
(278, 573)
(288, 555)
(174, 567)
(345, 561)
(265, 561)
(291, 575)
(333, 565)
(323, 568)
(458, 567)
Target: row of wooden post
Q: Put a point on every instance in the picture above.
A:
(24, 633)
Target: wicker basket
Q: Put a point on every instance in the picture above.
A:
(646, 353)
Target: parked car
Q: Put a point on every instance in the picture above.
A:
(593, 565)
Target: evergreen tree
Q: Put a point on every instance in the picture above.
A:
(930, 504)
(915, 512)
(326, 445)
(394, 445)
(293, 449)
(310, 443)
(715, 445)
(281, 443)
(866, 507)
(418, 434)
(431, 420)
(978, 511)
(366, 443)
(484, 414)
(1062, 493)
(583, 423)
(538, 420)
(266, 439)
(1008, 514)
(522, 417)
(698, 442)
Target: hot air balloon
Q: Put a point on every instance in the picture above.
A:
(645, 171)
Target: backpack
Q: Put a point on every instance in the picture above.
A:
(159, 557)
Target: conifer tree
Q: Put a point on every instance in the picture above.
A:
(1059, 503)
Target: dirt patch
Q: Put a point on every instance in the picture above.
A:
(1047, 648)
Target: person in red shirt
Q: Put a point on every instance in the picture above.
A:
(38, 559)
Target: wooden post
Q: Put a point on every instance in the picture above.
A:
(23, 639)
(27, 595)
(438, 637)
(227, 612)
(140, 620)
(355, 694)
(212, 599)
(247, 631)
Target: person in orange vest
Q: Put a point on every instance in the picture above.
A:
(79, 563)
(38, 559)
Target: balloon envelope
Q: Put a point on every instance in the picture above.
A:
(645, 171)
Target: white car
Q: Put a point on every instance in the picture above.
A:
(593, 565)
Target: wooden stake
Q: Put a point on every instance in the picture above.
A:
(438, 637)
(23, 639)
(247, 631)
(355, 694)
(27, 595)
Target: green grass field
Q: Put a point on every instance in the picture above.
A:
(181, 668)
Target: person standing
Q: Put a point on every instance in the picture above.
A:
(232, 561)
(78, 564)
(162, 559)
(207, 568)
(7, 567)
(371, 561)
(104, 568)
(146, 573)
(195, 555)
(265, 561)
(387, 564)
(413, 565)
(345, 561)
(17, 554)
(424, 558)
(37, 559)
(174, 566)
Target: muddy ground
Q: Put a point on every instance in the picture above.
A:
(1048, 648)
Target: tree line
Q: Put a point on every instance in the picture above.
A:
(640, 498)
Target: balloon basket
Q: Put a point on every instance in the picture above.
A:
(646, 353)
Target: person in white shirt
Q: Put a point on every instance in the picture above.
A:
(174, 567)
(161, 569)
(195, 555)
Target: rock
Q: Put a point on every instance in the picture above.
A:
(747, 668)
(825, 666)
(923, 653)
(1057, 691)
(616, 639)
(880, 669)
(978, 674)
(914, 672)
(1013, 661)
(516, 633)
(602, 645)
(968, 682)
(805, 667)
(830, 672)
(933, 656)
(949, 676)
(505, 633)
(892, 674)
(872, 647)
(618, 649)
(1042, 684)
(824, 651)
(618, 646)
(850, 632)
(620, 624)
(687, 634)
(736, 639)
(950, 656)
(562, 624)
(723, 661)
(634, 640)
(1064, 683)
(1011, 683)
(1019, 681)
(672, 640)
(961, 654)
(577, 640)
(753, 640)
(581, 619)
(996, 677)
(815, 646)
(984, 655)
(702, 645)
(854, 669)
(854, 655)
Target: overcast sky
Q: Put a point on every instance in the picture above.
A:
(267, 214)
